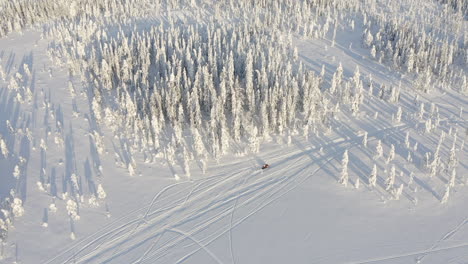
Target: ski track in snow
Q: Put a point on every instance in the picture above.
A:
(409, 254)
(255, 186)
(448, 235)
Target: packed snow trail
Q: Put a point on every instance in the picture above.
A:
(217, 195)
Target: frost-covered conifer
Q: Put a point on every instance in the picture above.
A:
(364, 139)
(357, 183)
(187, 168)
(16, 172)
(379, 149)
(391, 154)
(397, 192)
(453, 176)
(446, 195)
(452, 159)
(336, 79)
(368, 38)
(428, 125)
(3, 147)
(407, 142)
(72, 209)
(390, 181)
(344, 169)
(373, 176)
(421, 111)
(398, 115)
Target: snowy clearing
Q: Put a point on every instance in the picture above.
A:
(136, 131)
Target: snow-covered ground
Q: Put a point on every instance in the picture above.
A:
(382, 178)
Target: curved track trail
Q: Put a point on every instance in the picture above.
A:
(192, 214)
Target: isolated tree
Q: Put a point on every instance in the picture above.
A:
(3, 147)
(379, 149)
(373, 176)
(446, 195)
(368, 38)
(453, 177)
(397, 192)
(364, 139)
(398, 114)
(390, 181)
(391, 154)
(344, 169)
(407, 142)
(452, 159)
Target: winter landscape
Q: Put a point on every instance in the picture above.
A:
(135, 131)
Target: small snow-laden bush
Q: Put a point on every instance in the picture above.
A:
(218, 80)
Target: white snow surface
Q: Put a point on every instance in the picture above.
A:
(293, 212)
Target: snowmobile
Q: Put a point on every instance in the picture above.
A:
(265, 166)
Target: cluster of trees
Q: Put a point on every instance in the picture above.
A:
(431, 45)
(297, 16)
(218, 82)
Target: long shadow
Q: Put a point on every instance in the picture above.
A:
(43, 166)
(53, 182)
(22, 181)
(357, 166)
(94, 154)
(10, 62)
(7, 180)
(89, 177)
(59, 119)
(426, 187)
(70, 160)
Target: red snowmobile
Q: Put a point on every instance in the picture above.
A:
(265, 166)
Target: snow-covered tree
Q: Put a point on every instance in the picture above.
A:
(344, 169)
(390, 181)
(373, 176)
(3, 147)
(398, 115)
(446, 195)
(391, 154)
(364, 139)
(397, 192)
(407, 142)
(378, 149)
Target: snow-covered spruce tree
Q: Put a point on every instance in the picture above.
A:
(452, 159)
(172, 79)
(364, 139)
(373, 176)
(434, 165)
(344, 169)
(398, 115)
(453, 177)
(336, 79)
(428, 50)
(407, 141)
(397, 192)
(390, 181)
(391, 154)
(421, 111)
(378, 149)
(3, 147)
(446, 195)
